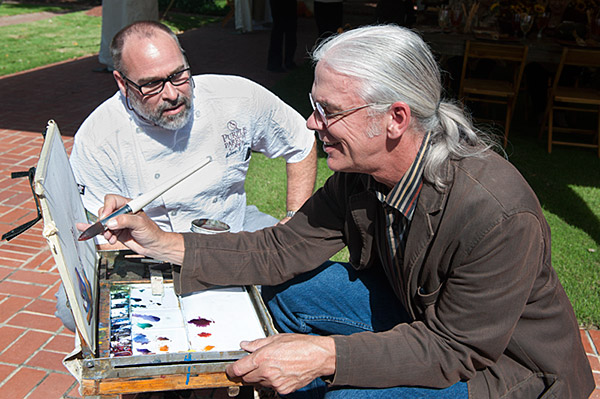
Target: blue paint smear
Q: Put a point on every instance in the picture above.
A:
(141, 339)
(187, 358)
(148, 317)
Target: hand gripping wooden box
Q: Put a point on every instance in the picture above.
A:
(134, 334)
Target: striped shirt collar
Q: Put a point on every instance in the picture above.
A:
(404, 195)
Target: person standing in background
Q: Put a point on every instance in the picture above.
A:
(400, 12)
(283, 35)
(329, 15)
(117, 14)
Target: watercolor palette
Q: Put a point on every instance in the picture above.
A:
(213, 320)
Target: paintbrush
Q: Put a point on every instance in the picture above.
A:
(137, 204)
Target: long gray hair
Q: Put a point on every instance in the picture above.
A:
(392, 64)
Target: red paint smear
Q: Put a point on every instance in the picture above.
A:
(163, 339)
(200, 322)
(208, 347)
(204, 334)
(164, 348)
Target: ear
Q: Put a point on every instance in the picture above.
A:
(399, 120)
(120, 82)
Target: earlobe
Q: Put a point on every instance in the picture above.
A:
(399, 120)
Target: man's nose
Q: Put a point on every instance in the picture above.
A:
(169, 92)
(314, 122)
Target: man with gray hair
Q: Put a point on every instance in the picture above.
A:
(449, 292)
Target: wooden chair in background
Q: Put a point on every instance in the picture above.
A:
(230, 14)
(574, 97)
(495, 90)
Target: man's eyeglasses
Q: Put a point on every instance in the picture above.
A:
(325, 116)
(156, 86)
(18, 230)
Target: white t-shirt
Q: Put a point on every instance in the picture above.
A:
(116, 152)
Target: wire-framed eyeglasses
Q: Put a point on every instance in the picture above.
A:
(157, 86)
(325, 116)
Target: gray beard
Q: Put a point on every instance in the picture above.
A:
(169, 122)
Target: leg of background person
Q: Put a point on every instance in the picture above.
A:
(275, 56)
(537, 80)
(111, 23)
(329, 17)
(336, 299)
(256, 220)
(63, 312)
(243, 16)
(291, 27)
(321, 18)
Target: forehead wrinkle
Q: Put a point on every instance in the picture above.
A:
(346, 86)
(154, 53)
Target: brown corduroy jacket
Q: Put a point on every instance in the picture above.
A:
(487, 304)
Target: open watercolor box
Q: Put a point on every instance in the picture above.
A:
(134, 334)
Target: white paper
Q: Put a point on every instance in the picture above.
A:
(213, 320)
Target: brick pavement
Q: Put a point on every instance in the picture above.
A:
(32, 341)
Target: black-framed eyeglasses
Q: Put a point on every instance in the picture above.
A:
(156, 86)
(324, 115)
(22, 228)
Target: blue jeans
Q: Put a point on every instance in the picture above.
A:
(336, 299)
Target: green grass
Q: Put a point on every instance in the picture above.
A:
(34, 44)
(17, 9)
(64, 36)
(182, 22)
(567, 183)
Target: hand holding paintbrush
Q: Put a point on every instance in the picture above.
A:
(137, 204)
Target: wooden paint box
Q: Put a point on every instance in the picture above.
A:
(133, 333)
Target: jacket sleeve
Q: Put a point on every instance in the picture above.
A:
(269, 256)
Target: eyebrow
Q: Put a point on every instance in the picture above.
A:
(155, 78)
(329, 107)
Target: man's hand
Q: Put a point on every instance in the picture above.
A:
(285, 362)
(139, 233)
(284, 220)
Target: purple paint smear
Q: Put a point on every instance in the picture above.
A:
(147, 317)
(200, 322)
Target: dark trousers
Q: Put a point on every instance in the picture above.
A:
(285, 21)
(329, 17)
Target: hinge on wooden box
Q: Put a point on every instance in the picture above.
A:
(25, 226)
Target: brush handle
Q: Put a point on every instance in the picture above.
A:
(143, 200)
(137, 204)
